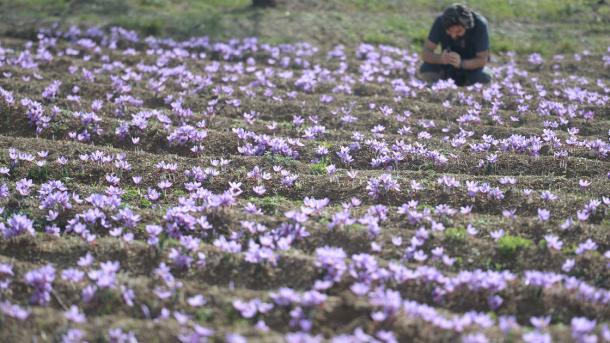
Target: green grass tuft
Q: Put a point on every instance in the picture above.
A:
(39, 174)
(318, 168)
(277, 159)
(456, 234)
(509, 245)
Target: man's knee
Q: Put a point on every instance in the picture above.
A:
(430, 76)
(430, 73)
(479, 76)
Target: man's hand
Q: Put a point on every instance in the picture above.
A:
(446, 57)
(454, 59)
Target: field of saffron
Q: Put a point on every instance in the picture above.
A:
(161, 190)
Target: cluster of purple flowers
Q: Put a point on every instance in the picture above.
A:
(14, 310)
(16, 225)
(249, 309)
(257, 145)
(332, 260)
(41, 280)
(381, 185)
(188, 135)
(35, 113)
(54, 198)
(240, 69)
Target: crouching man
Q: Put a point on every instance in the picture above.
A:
(464, 40)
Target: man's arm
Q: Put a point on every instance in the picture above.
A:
(478, 62)
(429, 56)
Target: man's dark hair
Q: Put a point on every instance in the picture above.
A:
(458, 14)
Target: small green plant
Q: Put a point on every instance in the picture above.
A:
(107, 300)
(178, 193)
(269, 204)
(354, 228)
(281, 160)
(145, 203)
(40, 174)
(241, 172)
(542, 244)
(318, 168)
(509, 245)
(204, 314)
(131, 194)
(456, 234)
(569, 249)
(424, 206)
(323, 221)
(285, 125)
(167, 242)
(493, 265)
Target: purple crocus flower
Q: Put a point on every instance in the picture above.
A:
(16, 225)
(23, 186)
(75, 315)
(41, 279)
(543, 214)
(14, 310)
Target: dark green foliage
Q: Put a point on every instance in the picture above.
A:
(39, 174)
